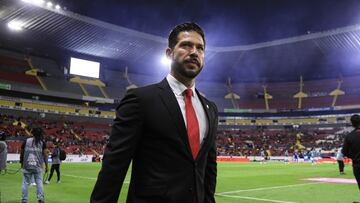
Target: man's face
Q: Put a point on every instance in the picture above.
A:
(188, 55)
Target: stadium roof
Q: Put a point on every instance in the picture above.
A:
(253, 40)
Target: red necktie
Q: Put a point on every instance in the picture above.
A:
(192, 124)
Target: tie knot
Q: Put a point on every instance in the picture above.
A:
(188, 92)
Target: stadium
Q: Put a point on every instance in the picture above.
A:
(283, 75)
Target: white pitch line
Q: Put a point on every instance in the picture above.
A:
(254, 198)
(268, 188)
(88, 178)
(82, 177)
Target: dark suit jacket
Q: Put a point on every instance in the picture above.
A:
(149, 130)
(351, 146)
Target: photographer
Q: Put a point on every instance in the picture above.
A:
(32, 158)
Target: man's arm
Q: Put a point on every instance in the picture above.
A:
(346, 147)
(125, 134)
(211, 168)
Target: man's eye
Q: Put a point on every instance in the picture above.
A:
(186, 45)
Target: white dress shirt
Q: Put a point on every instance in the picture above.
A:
(178, 89)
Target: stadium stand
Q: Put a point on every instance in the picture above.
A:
(75, 137)
(249, 142)
(252, 96)
(240, 133)
(13, 67)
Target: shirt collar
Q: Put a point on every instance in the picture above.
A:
(177, 87)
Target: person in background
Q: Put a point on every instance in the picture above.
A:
(55, 164)
(340, 160)
(296, 156)
(3, 151)
(32, 158)
(351, 146)
(263, 156)
(311, 155)
(168, 131)
(286, 157)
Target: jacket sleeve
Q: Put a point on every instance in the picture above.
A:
(120, 150)
(211, 167)
(345, 148)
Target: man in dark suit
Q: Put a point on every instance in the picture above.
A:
(351, 146)
(168, 132)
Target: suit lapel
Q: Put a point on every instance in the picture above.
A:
(169, 100)
(210, 119)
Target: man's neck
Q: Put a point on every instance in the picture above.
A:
(185, 81)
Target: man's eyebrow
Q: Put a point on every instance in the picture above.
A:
(190, 42)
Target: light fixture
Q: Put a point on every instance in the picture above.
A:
(15, 25)
(57, 6)
(38, 2)
(49, 4)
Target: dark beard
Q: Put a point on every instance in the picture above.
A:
(181, 70)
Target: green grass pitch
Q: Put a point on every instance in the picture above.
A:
(237, 182)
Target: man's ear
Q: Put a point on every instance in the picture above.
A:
(169, 52)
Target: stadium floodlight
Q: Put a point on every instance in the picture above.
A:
(57, 6)
(165, 61)
(15, 25)
(49, 4)
(38, 2)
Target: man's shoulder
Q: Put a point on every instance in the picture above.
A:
(26, 139)
(148, 89)
(353, 134)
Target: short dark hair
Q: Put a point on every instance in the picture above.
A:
(355, 120)
(188, 26)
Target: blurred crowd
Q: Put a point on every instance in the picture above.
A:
(74, 137)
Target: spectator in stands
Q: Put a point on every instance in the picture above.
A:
(3, 151)
(340, 160)
(32, 157)
(168, 130)
(351, 146)
(55, 163)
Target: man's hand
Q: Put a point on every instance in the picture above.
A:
(46, 168)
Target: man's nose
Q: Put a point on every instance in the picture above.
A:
(194, 51)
